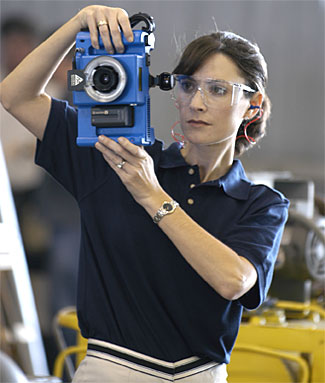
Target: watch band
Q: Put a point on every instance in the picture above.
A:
(168, 207)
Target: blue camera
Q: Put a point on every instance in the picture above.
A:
(111, 91)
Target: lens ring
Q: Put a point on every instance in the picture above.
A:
(90, 71)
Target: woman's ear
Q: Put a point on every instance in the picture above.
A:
(255, 105)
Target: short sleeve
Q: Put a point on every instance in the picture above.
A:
(78, 169)
(257, 236)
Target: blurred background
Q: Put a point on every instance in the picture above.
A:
(290, 35)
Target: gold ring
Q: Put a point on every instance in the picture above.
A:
(101, 23)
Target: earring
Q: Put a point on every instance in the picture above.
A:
(178, 137)
(245, 135)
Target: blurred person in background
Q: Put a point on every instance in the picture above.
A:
(18, 38)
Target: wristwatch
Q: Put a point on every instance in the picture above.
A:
(166, 208)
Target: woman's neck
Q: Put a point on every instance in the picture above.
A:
(213, 161)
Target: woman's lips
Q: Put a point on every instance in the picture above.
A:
(197, 122)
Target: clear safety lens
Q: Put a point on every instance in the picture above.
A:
(214, 93)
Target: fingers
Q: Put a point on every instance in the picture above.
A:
(109, 22)
(111, 157)
(134, 150)
(124, 22)
(121, 150)
(93, 31)
(105, 35)
(115, 33)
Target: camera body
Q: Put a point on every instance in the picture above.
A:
(111, 91)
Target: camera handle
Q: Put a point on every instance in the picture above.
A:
(148, 20)
(164, 80)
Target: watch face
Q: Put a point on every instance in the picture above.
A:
(168, 206)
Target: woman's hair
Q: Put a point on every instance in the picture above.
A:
(251, 64)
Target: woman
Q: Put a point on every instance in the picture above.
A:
(174, 242)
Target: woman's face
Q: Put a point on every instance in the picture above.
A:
(217, 122)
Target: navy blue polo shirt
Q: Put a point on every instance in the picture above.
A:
(135, 289)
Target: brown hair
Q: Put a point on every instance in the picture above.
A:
(251, 64)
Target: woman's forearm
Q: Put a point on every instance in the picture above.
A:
(223, 269)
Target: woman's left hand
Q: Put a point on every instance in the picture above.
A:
(137, 173)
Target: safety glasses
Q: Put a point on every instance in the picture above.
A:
(214, 93)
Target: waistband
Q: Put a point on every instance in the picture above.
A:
(146, 364)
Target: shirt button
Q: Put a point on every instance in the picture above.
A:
(192, 186)
(191, 171)
(190, 201)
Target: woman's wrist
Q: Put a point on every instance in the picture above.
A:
(76, 23)
(80, 18)
(155, 202)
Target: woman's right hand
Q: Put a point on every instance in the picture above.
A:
(117, 20)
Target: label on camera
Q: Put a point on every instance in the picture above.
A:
(76, 79)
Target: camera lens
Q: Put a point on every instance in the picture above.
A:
(105, 79)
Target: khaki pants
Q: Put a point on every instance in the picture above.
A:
(119, 365)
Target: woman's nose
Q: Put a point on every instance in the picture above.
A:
(198, 100)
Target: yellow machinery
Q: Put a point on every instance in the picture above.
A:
(67, 318)
(271, 347)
